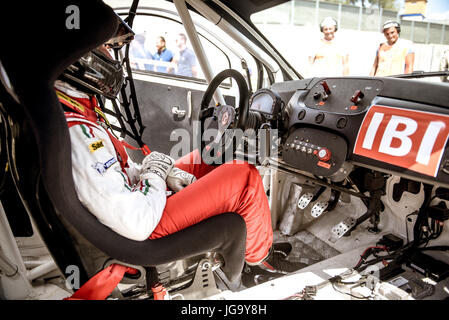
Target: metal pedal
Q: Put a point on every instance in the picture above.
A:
(318, 208)
(304, 200)
(340, 229)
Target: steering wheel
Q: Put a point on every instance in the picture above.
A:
(222, 120)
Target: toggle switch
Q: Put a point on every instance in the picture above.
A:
(326, 91)
(357, 96)
(325, 87)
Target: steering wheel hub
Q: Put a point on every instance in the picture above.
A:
(223, 117)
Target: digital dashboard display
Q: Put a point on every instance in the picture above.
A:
(263, 102)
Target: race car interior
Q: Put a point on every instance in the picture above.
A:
(356, 170)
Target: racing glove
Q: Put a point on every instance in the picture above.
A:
(156, 163)
(178, 179)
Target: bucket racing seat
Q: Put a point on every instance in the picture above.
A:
(35, 137)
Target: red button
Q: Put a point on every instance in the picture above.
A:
(324, 154)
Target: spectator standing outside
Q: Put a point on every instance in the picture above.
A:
(185, 60)
(139, 54)
(329, 57)
(395, 56)
(162, 54)
(444, 65)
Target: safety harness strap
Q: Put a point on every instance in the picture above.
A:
(100, 286)
(85, 112)
(145, 150)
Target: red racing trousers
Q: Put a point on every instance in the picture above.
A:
(231, 187)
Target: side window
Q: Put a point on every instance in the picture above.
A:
(162, 46)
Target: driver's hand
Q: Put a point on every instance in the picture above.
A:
(156, 163)
(178, 179)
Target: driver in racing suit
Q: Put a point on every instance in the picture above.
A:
(131, 198)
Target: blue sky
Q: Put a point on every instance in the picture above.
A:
(433, 6)
(437, 6)
(436, 9)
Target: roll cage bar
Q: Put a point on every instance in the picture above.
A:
(126, 109)
(131, 124)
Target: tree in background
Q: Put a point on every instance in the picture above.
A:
(384, 4)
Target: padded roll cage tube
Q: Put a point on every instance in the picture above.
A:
(132, 116)
(189, 26)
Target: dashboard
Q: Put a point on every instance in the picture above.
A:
(399, 126)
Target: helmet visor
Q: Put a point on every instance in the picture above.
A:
(123, 36)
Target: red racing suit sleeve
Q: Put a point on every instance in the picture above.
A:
(118, 199)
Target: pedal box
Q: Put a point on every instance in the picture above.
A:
(428, 266)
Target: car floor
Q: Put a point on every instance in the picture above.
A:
(313, 247)
(324, 257)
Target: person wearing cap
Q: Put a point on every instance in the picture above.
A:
(395, 56)
(329, 57)
(140, 56)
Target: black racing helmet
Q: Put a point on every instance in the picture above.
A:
(97, 71)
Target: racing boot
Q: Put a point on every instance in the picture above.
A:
(276, 261)
(282, 248)
(273, 266)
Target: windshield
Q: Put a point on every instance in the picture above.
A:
(336, 38)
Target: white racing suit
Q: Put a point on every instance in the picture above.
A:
(110, 191)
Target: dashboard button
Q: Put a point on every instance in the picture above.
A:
(324, 154)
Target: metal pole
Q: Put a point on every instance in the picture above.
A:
(8, 268)
(339, 15)
(186, 19)
(442, 33)
(13, 281)
(41, 270)
(360, 18)
(292, 12)
(431, 57)
(274, 186)
(427, 32)
(317, 9)
(381, 11)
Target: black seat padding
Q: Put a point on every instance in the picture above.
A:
(37, 47)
